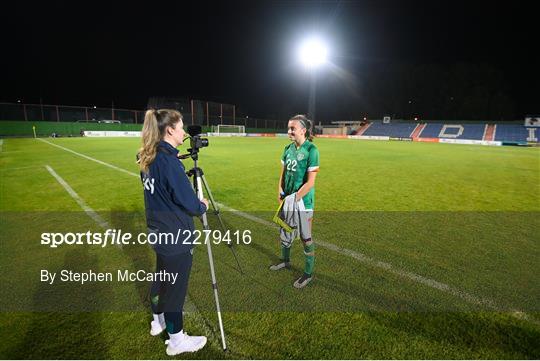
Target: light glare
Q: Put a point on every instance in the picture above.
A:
(312, 53)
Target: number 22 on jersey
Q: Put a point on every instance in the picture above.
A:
(291, 165)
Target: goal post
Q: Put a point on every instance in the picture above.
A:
(229, 129)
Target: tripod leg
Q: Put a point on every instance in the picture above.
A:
(211, 261)
(216, 212)
(212, 201)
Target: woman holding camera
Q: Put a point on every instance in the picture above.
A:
(170, 205)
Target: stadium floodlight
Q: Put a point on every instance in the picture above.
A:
(312, 53)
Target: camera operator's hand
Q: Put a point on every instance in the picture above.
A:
(205, 201)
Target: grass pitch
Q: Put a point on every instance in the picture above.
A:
(423, 251)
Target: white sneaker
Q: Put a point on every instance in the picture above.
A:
(182, 342)
(156, 328)
(302, 281)
(277, 267)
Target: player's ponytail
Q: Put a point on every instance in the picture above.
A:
(309, 130)
(155, 123)
(306, 123)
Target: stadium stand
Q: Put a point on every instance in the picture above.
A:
(489, 133)
(397, 130)
(418, 130)
(361, 130)
(475, 131)
(514, 133)
(454, 131)
(432, 130)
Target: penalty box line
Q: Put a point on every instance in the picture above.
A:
(347, 252)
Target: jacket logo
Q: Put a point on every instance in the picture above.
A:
(149, 185)
(300, 156)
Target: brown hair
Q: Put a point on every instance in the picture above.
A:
(155, 124)
(306, 123)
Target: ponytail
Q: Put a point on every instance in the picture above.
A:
(155, 123)
(309, 130)
(306, 123)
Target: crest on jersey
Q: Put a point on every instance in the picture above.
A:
(300, 156)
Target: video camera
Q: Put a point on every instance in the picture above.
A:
(195, 136)
(197, 142)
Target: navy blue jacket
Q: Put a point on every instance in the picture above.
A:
(170, 201)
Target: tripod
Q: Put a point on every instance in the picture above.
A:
(198, 182)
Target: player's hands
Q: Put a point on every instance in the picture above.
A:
(280, 196)
(205, 201)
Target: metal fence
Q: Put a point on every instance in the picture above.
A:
(198, 112)
(67, 113)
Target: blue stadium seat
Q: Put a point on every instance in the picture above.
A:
(504, 132)
(513, 133)
(397, 130)
(468, 131)
(431, 130)
(473, 131)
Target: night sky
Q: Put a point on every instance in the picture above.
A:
(243, 53)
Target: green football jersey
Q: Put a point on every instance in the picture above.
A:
(297, 164)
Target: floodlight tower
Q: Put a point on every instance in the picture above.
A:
(312, 54)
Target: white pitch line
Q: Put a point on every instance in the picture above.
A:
(90, 158)
(350, 253)
(1, 144)
(100, 221)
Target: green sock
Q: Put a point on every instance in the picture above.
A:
(309, 252)
(285, 254)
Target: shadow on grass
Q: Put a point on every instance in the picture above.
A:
(142, 257)
(483, 335)
(73, 334)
